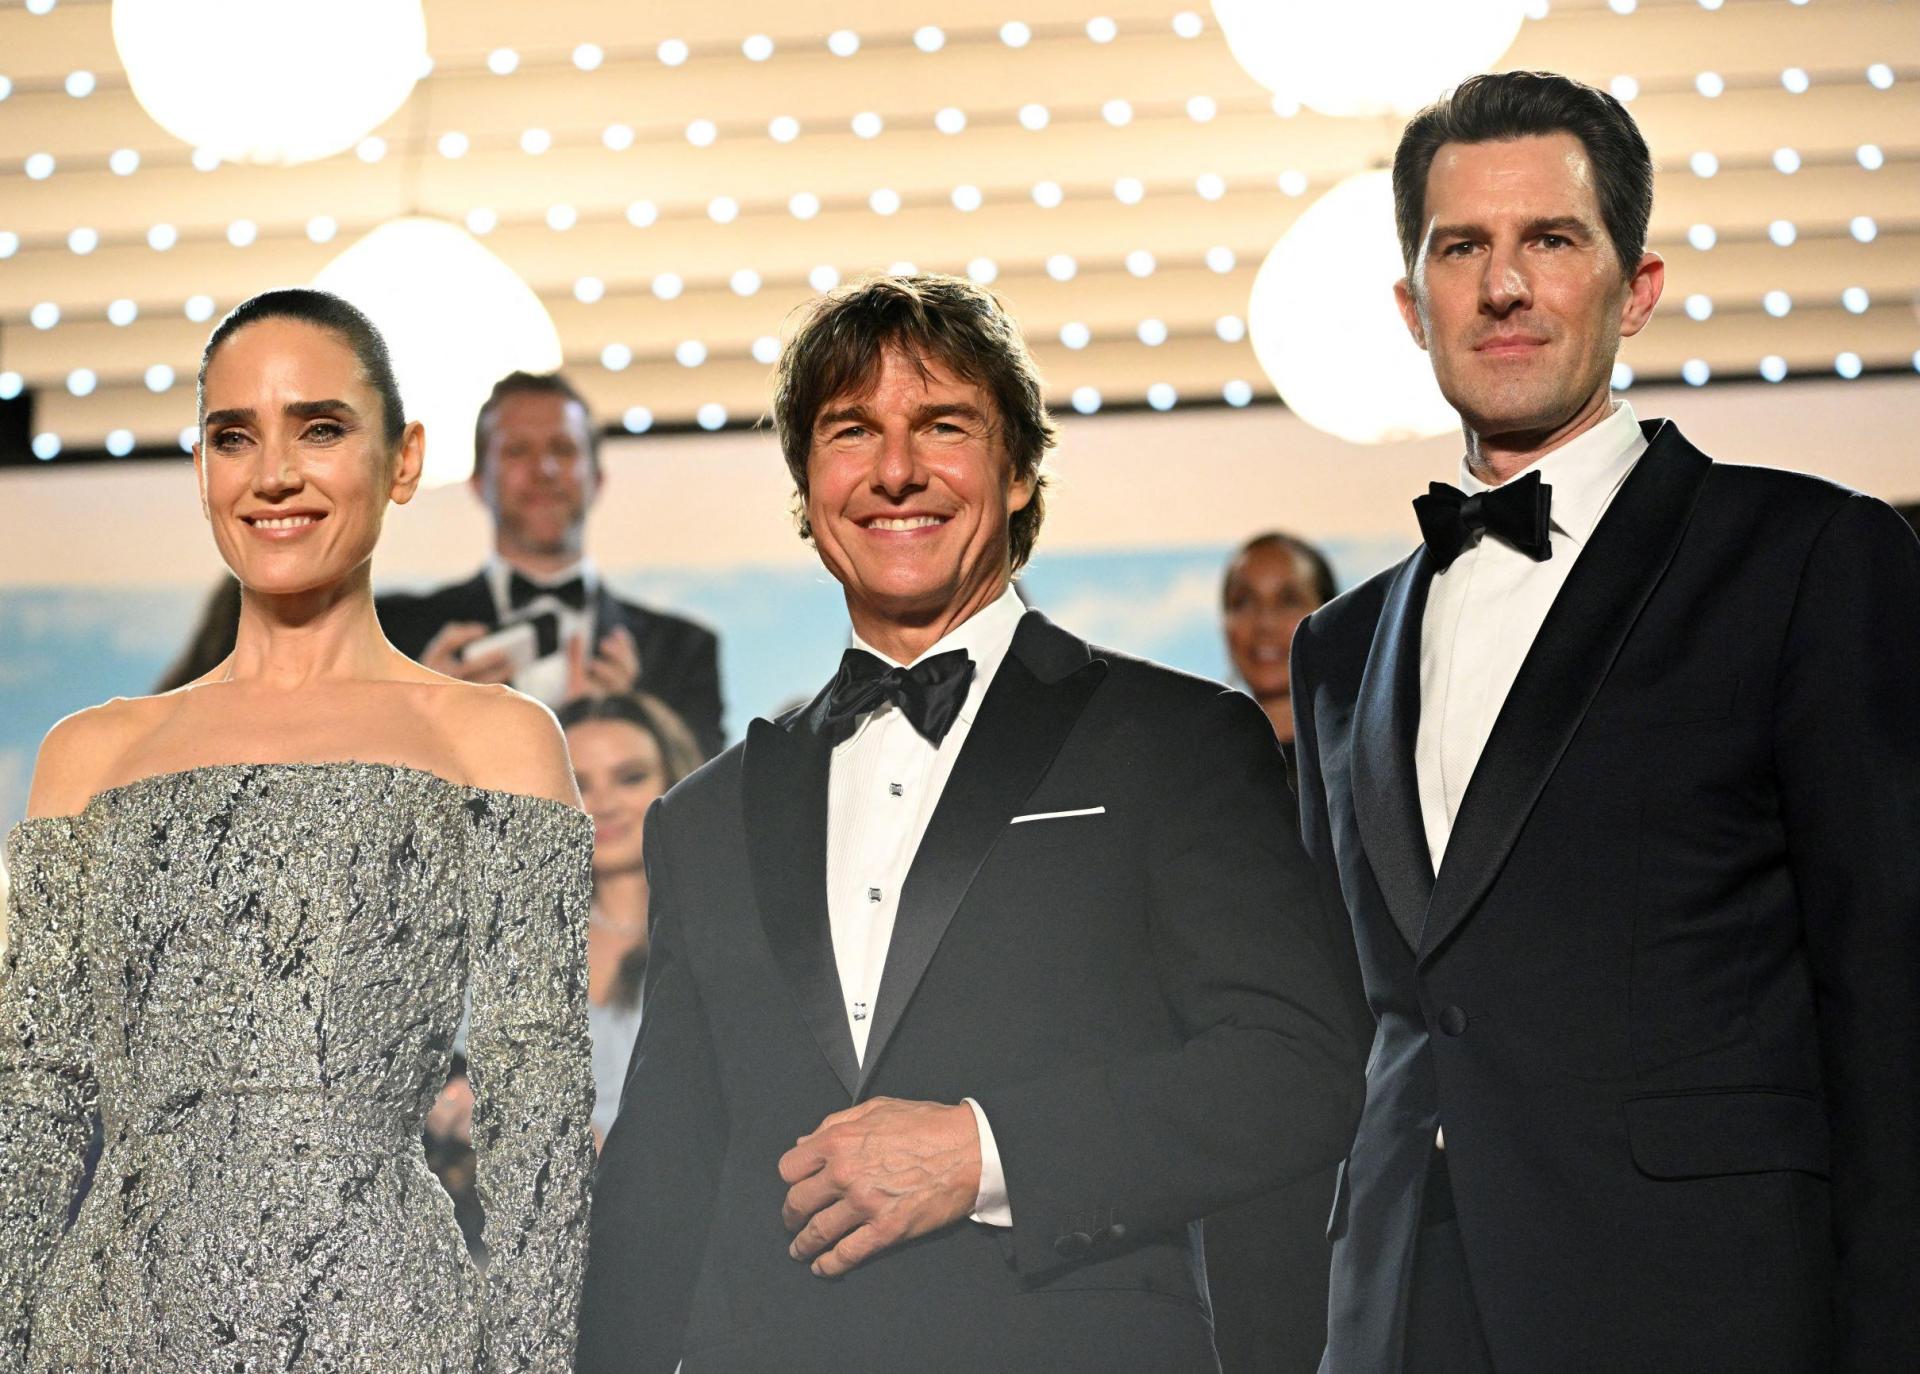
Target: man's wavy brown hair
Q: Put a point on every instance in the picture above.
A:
(839, 347)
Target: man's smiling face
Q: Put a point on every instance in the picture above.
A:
(909, 492)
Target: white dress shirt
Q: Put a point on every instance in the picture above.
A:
(1484, 611)
(882, 786)
(545, 679)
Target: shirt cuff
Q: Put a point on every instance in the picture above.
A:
(990, 1207)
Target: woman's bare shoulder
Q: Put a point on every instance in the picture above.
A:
(78, 755)
(509, 742)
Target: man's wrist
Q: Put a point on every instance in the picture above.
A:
(991, 1206)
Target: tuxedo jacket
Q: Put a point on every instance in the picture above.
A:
(1664, 992)
(679, 660)
(1137, 996)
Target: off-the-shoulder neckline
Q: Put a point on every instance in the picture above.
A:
(174, 774)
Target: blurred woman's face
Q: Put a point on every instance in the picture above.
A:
(618, 767)
(1269, 592)
(294, 471)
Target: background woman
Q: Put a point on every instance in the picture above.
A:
(243, 914)
(1273, 582)
(627, 750)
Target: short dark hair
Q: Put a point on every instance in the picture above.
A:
(530, 384)
(324, 310)
(1319, 571)
(1508, 105)
(839, 347)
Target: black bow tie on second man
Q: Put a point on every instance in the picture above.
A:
(521, 590)
(1515, 514)
(930, 693)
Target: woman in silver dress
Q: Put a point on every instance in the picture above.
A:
(243, 915)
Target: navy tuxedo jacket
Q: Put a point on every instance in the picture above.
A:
(1664, 992)
(1145, 1002)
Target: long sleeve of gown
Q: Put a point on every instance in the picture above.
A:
(47, 1085)
(530, 1066)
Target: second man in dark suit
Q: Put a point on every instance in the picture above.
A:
(1620, 774)
(978, 981)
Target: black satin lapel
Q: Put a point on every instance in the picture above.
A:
(785, 780)
(1023, 721)
(1386, 723)
(1571, 656)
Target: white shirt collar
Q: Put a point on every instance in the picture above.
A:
(498, 571)
(986, 635)
(1583, 472)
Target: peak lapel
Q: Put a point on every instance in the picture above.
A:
(785, 782)
(1386, 722)
(1025, 717)
(1571, 656)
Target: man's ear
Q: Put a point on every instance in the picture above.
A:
(1643, 293)
(1410, 311)
(1020, 492)
(408, 461)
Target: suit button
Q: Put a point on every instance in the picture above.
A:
(1073, 1245)
(1453, 1020)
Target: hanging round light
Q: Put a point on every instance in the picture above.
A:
(1325, 328)
(1366, 57)
(270, 81)
(456, 319)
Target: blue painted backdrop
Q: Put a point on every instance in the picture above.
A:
(781, 631)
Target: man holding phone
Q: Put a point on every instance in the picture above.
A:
(538, 615)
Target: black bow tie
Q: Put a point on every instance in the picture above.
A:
(521, 590)
(930, 692)
(1515, 514)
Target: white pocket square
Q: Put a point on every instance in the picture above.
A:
(1058, 815)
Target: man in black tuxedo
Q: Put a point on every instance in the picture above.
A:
(1620, 776)
(537, 470)
(977, 981)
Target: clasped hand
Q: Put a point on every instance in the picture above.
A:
(875, 1175)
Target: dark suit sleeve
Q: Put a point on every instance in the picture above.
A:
(1267, 1085)
(702, 691)
(659, 1169)
(680, 664)
(1848, 759)
(1316, 831)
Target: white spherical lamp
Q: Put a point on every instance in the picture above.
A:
(270, 81)
(1325, 328)
(1366, 57)
(456, 319)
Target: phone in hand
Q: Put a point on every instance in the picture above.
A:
(522, 641)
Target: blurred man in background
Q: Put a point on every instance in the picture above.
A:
(538, 615)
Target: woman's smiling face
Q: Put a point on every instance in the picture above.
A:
(294, 468)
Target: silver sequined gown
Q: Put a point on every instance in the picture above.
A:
(255, 972)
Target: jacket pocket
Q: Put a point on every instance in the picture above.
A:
(1728, 1131)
